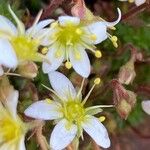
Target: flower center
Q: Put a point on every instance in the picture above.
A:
(10, 129)
(26, 48)
(70, 34)
(74, 112)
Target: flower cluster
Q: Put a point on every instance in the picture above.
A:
(52, 43)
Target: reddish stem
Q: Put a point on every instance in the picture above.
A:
(135, 11)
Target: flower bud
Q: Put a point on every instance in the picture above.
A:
(28, 69)
(123, 108)
(127, 73)
(124, 99)
(79, 9)
(5, 88)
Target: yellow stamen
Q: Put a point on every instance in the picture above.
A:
(115, 44)
(112, 28)
(114, 38)
(68, 65)
(97, 81)
(44, 50)
(98, 54)
(102, 118)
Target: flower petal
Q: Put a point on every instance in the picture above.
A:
(111, 24)
(35, 29)
(21, 145)
(7, 26)
(65, 20)
(100, 30)
(1, 71)
(62, 85)
(62, 135)
(55, 62)
(146, 106)
(8, 57)
(97, 131)
(81, 66)
(139, 2)
(44, 110)
(46, 36)
(11, 102)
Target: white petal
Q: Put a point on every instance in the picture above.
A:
(47, 39)
(8, 57)
(1, 71)
(146, 106)
(12, 101)
(44, 110)
(111, 24)
(81, 66)
(7, 26)
(62, 135)
(64, 20)
(100, 30)
(54, 61)
(35, 29)
(139, 2)
(62, 85)
(97, 131)
(21, 145)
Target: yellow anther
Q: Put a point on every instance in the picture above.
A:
(114, 39)
(58, 53)
(44, 50)
(79, 31)
(102, 118)
(97, 81)
(112, 28)
(130, 1)
(48, 100)
(98, 54)
(93, 37)
(68, 65)
(115, 44)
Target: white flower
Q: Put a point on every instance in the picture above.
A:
(18, 44)
(146, 106)
(12, 128)
(69, 112)
(68, 39)
(137, 2)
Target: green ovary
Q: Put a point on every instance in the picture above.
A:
(10, 129)
(69, 35)
(26, 48)
(74, 112)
